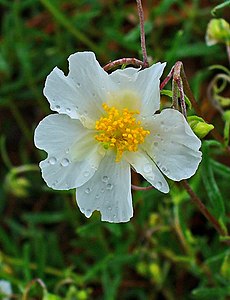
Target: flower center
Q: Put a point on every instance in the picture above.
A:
(119, 130)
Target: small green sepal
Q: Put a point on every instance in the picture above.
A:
(199, 126)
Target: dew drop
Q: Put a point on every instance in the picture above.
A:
(88, 190)
(86, 173)
(97, 196)
(164, 169)
(78, 84)
(57, 107)
(102, 190)
(55, 183)
(109, 186)
(88, 213)
(159, 185)
(109, 208)
(52, 160)
(105, 178)
(68, 110)
(65, 162)
(67, 151)
(147, 168)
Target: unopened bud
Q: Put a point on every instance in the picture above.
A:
(18, 186)
(199, 126)
(218, 31)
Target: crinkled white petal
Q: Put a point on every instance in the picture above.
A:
(173, 145)
(145, 83)
(81, 93)
(108, 191)
(144, 165)
(73, 152)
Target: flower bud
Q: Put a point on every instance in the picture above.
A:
(227, 115)
(218, 31)
(18, 186)
(199, 126)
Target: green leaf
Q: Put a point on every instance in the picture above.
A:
(211, 293)
(170, 94)
(210, 183)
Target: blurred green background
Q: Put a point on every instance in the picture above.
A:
(168, 250)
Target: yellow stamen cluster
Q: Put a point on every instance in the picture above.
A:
(119, 130)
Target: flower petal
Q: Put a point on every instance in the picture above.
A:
(80, 94)
(145, 83)
(144, 165)
(108, 191)
(173, 145)
(73, 153)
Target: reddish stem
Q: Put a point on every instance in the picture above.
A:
(123, 61)
(142, 31)
(166, 80)
(141, 188)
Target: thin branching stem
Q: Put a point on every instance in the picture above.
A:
(203, 209)
(141, 188)
(142, 32)
(123, 61)
(167, 78)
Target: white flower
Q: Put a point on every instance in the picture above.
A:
(6, 289)
(104, 125)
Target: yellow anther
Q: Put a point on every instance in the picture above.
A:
(118, 129)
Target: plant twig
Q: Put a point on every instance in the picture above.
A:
(141, 188)
(142, 31)
(203, 209)
(123, 61)
(167, 78)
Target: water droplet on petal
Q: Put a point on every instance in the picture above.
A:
(52, 160)
(105, 178)
(86, 173)
(147, 168)
(57, 107)
(109, 208)
(97, 196)
(68, 110)
(159, 185)
(67, 151)
(164, 169)
(88, 213)
(78, 84)
(102, 190)
(109, 186)
(65, 162)
(88, 190)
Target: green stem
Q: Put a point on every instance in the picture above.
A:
(203, 209)
(20, 121)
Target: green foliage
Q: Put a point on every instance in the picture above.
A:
(168, 250)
